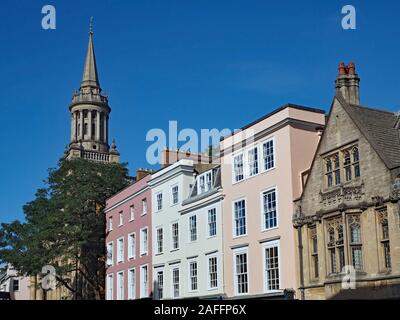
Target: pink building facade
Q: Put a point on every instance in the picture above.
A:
(128, 242)
(264, 167)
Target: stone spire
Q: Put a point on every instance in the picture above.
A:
(90, 115)
(90, 75)
(348, 83)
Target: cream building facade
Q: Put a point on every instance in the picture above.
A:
(263, 167)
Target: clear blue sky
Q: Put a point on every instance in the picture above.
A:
(207, 64)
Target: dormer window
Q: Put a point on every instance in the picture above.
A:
(205, 182)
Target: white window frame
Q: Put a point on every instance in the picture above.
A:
(204, 176)
(119, 258)
(172, 282)
(132, 213)
(110, 254)
(244, 152)
(144, 207)
(131, 283)
(266, 245)
(234, 236)
(158, 209)
(110, 223)
(120, 294)
(191, 261)
(172, 236)
(236, 252)
(248, 171)
(262, 208)
(144, 250)
(121, 219)
(156, 249)
(273, 154)
(156, 289)
(172, 195)
(131, 255)
(211, 256)
(110, 287)
(208, 222)
(144, 294)
(190, 230)
(234, 181)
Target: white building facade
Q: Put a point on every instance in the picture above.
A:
(169, 187)
(201, 220)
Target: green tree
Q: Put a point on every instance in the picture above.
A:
(65, 226)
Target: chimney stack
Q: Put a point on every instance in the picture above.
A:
(348, 83)
(141, 173)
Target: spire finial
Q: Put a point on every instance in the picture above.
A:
(91, 25)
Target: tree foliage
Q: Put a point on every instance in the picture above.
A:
(65, 226)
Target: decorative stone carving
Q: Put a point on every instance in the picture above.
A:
(382, 215)
(341, 195)
(378, 201)
(299, 219)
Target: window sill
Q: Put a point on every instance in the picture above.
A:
(238, 237)
(173, 250)
(270, 229)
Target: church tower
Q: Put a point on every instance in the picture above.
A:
(90, 115)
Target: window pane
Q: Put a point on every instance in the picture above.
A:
(213, 272)
(270, 217)
(253, 161)
(238, 168)
(269, 161)
(272, 268)
(193, 276)
(241, 273)
(240, 218)
(356, 254)
(175, 282)
(212, 222)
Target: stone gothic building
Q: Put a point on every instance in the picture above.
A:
(348, 217)
(89, 117)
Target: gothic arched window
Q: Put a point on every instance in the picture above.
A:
(355, 245)
(329, 174)
(356, 162)
(337, 169)
(347, 165)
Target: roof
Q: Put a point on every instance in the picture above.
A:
(90, 74)
(379, 128)
(288, 105)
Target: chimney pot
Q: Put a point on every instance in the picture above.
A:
(352, 68)
(342, 68)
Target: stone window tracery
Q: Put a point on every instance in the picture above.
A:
(346, 162)
(355, 242)
(384, 238)
(335, 245)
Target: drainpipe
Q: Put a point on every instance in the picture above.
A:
(300, 247)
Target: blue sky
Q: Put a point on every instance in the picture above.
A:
(207, 64)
